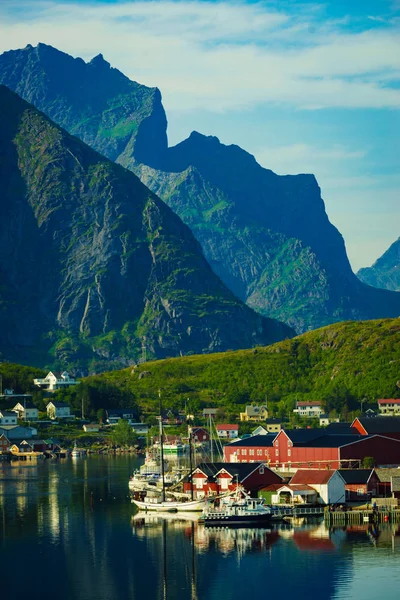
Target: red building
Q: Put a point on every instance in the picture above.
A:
(314, 449)
(360, 483)
(216, 478)
(200, 435)
(387, 426)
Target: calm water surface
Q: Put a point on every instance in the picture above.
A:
(69, 532)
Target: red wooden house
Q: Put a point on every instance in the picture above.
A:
(217, 478)
(200, 435)
(360, 484)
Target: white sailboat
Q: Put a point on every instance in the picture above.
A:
(170, 504)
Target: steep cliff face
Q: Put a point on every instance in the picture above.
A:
(385, 272)
(98, 104)
(93, 264)
(268, 237)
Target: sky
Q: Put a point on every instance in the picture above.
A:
(305, 86)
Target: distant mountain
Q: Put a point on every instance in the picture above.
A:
(385, 272)
(267, 236)
(93, 264)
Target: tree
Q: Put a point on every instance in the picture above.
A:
(368, 462)
(101, 415)
(122, 434)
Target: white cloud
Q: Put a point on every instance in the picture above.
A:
(221, 55)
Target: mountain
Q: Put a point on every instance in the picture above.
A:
(268, 237)
(342, 363)
(385, 272)
(93, 264)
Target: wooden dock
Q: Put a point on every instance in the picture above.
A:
(383, 515)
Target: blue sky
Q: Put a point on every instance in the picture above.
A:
(304, 86)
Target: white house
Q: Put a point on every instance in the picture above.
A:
(53, 382)
(389, 407)
(227, 431)
(325, 420)
(115, 414)
(58, 410)
(8, 417)
(329, 484)
(140, 428)
(309, 408)
(26, 411)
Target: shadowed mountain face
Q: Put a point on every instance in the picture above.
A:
(93, 264)
(267, 236)
(385, 272)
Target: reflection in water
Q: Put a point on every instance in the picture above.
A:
(74, 521)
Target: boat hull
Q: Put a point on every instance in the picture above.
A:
(190, 506)
(237, 520)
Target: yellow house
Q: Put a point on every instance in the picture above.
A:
(254, 413)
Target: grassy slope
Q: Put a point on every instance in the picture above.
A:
(361, 359)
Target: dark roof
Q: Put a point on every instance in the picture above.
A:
(356, 475)
(380, 424)
(304, 436)
(256, 440)
(272, 421)
(120, 411)
(334, 441)
(340, 428)
(58, 404)
(241, 470)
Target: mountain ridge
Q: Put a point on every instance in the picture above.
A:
(93, 263)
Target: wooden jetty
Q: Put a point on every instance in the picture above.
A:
(383, 515)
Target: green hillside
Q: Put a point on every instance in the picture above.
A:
(341, 364)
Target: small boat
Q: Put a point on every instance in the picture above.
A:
(77, 452)
(238, 509)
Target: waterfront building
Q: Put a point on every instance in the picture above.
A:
(360, 484)
(4, 444)
(327, 483)
(216, 478)
(314, 448)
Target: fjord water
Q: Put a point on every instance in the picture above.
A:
(69, 531)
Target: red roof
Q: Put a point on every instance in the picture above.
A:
(227, 427)
(310, 476)
(309, 403)
(389, 401)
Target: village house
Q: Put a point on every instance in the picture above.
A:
(360, 484)
(389, 407)
(8, 417)
(200, 435)
(389, 482)
(58, 410)
(325, 419)
(4, 444)
(53, 382)
(115, 414)
(91, 427)
(309, 408)
(254, 413)
(26, 411)
(329, 484)
(216, 478)
(140, 428)
(227, 432)
(22, 447)
(209, 412)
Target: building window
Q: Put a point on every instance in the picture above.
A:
(259, 452)
(360, 492)
(251, 452)
(266, 453)
(244, 452)
(277, 452)
(199, 483)
(261, 470)
(289, 452)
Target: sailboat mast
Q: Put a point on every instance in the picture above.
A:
(211, 441)
(191, 463)
(161, 450)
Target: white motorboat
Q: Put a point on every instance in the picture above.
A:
(237, 509)
(170, 505)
